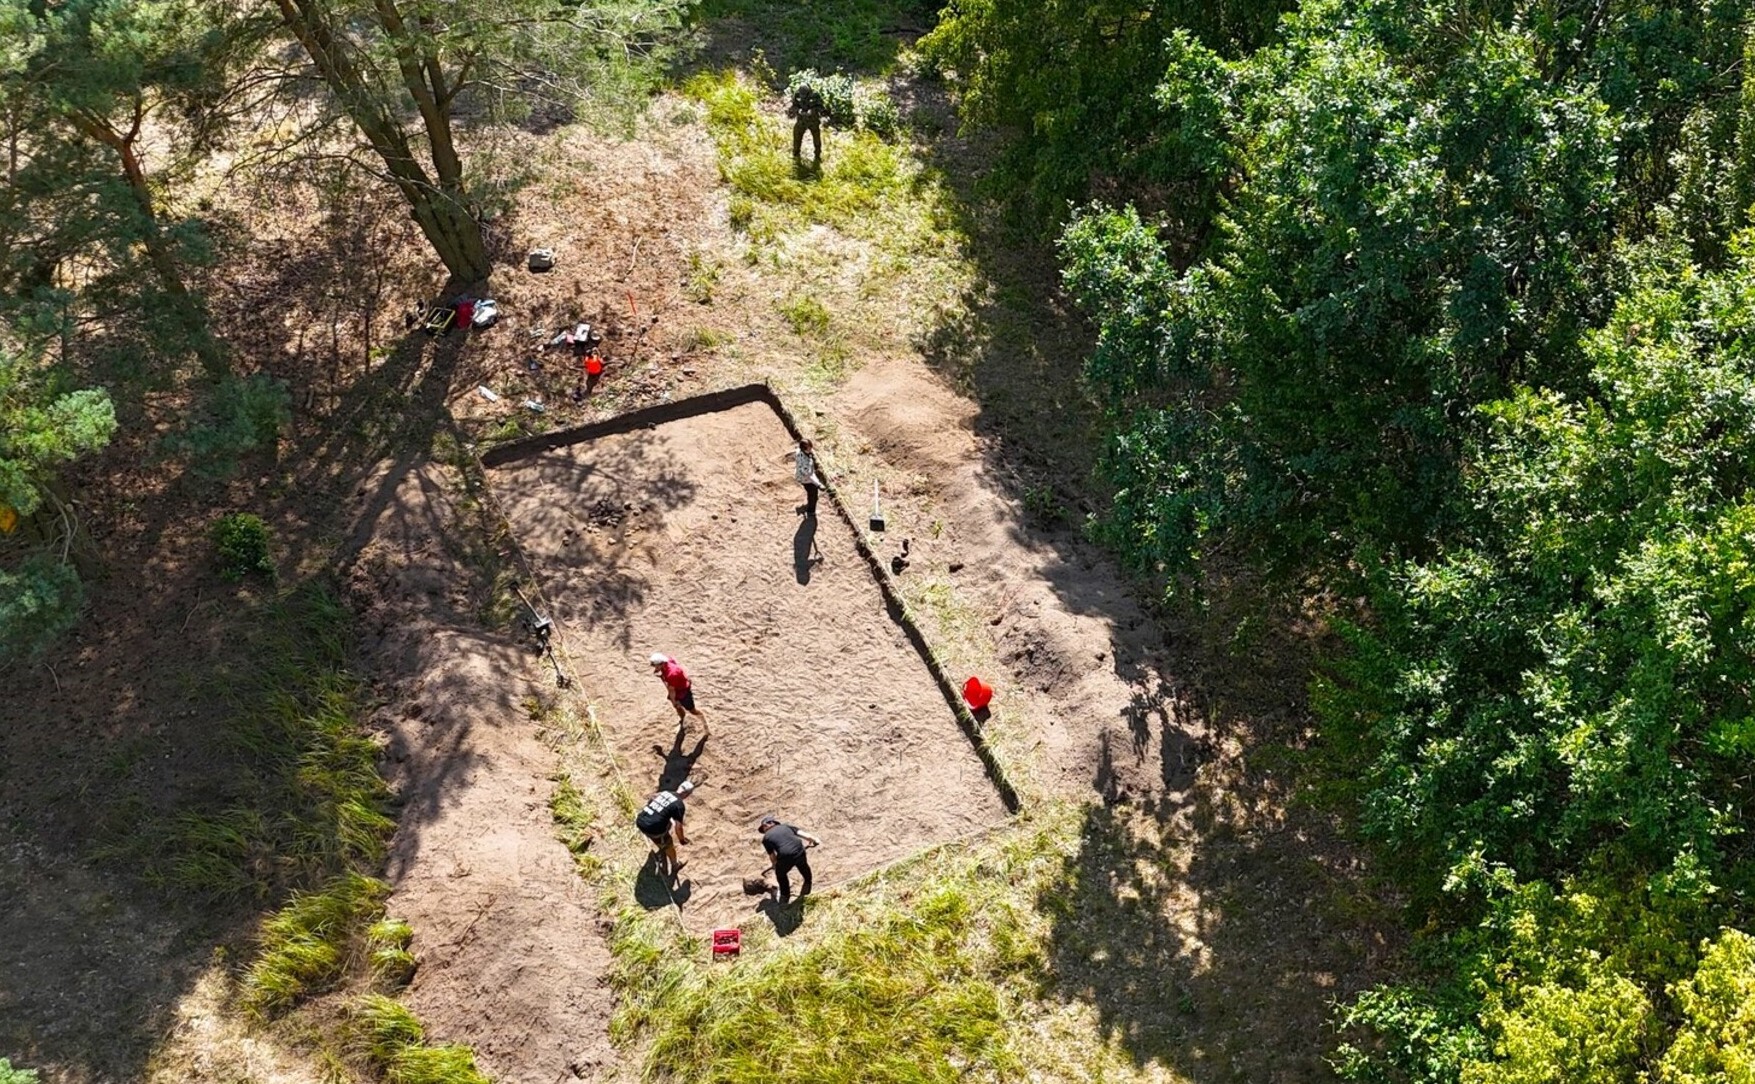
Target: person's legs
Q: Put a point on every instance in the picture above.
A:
(804, 868)
(810, 499)
(685, 701)
(816, 142)
(798, 128)
(782, 873)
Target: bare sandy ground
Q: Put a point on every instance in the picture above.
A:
(1084, 665)
(511, 953)
(685, 539)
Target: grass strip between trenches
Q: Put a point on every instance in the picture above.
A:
(914, 975)
(311, 810)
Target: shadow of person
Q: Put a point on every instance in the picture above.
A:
(786, 918)
(652, 889)
(804, 548)
(678, 765)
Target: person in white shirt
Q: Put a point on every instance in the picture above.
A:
(804, 462)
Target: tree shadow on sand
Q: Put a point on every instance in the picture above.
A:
(589, 517)
(134, 734)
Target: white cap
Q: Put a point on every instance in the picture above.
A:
(658, 660)
(684, 787)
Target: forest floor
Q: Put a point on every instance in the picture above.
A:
(1193, 918)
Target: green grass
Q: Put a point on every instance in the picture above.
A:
(913, 976)
(394, 1042)
(290, 794)
(771, 195)
(387, 949)
(575, 825)
(307, 946)
(805, 315)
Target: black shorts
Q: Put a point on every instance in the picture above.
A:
(686, 699)
(657, 835)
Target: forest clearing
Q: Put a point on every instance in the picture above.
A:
(1322, 424)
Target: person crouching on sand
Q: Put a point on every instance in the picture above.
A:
(661, 821)
(678, 688)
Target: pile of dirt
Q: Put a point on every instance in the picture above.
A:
(511, 953)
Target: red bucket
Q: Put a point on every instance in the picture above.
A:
(977, 692)
(593, 365)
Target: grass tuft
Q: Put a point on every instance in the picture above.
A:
(394, 1041)
(387, 948)
(306, 946)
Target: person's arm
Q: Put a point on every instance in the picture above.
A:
(682, 835)
(810, 840)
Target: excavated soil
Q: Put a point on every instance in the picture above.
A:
(687, 539)
(508, 937)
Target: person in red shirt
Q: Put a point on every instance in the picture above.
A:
(679, 688)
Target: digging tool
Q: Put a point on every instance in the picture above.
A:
(541, 628)
(877, 515)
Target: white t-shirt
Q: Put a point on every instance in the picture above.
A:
(806, 465)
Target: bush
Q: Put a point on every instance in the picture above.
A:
(837, 92)
(1716, 1041)
(9, 1075)
(38, 603)
(242, 542)
(242, 415)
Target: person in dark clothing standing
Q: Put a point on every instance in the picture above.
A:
(786, 846)
(661, 819)
(809, 108)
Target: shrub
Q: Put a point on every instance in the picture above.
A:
(242, 542)
(9, 1075)
(837, 93)
(1716, 1041)
(38, 603)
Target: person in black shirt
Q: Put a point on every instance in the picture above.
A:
(661, 819)
(786, 846)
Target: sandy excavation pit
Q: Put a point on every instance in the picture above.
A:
(686, 538)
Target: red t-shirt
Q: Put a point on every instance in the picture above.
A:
(673, 676)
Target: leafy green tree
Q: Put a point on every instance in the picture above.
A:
(387, 60)
(82, 85)
(1065, 81)
(1418, 222)
(43, 426)
(1578, 675)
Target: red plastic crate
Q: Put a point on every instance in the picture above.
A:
(727, 943)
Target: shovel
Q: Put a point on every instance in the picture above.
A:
(877, 515)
